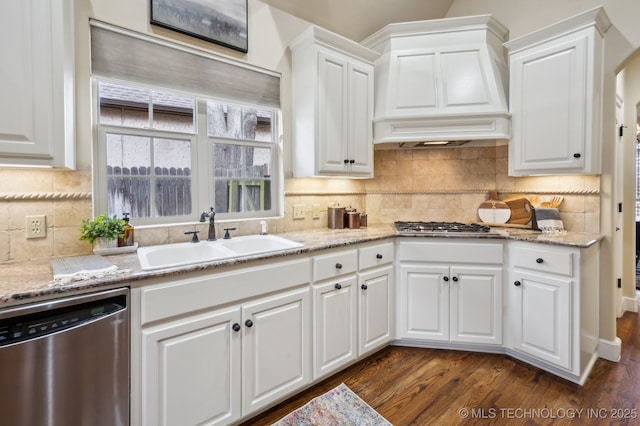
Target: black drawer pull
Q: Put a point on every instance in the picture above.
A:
(338, 265)
(338, 286)
(378, 256)
(517, 283)
(455, 279)
(577, 155)
(248, 323)
(236, 327)
(364, 286)
(445, 278)
(539, 260)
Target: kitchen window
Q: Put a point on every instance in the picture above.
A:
(164, 156)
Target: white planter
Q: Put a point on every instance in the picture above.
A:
(102, 243)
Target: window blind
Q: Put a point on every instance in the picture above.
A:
(126, 55)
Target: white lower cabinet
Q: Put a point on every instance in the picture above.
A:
(553, 307)
(191, 373)
(215, 348)
(450, 292)
(376, 309)
(335, 325)
(353, 313)
(276, 348)
(447, 303)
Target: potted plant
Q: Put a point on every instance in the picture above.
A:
(103, 230)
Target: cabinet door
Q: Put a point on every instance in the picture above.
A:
(424, 302)
(541, 322)
(549, 106)
(191, 371)
(335, 332)
(360, 126)
(276, 357)
(37, 121)
(331, 145)
(375, 309)
(476, 304)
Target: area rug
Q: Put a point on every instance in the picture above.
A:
(339, 406)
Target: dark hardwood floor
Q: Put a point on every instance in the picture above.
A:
(411, 386)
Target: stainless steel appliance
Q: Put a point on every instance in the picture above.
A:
(66, 362)
(425, 228)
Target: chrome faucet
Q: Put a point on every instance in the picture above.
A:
(211, 214)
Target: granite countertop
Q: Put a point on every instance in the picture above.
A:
(24, 282)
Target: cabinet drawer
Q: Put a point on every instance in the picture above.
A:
(444, 250)
(548, 259)
(381, 254)
(334, 264)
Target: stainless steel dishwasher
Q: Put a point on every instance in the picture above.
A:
(66, 362)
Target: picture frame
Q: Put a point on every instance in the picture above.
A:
(222, 22)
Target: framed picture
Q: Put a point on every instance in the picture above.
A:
(222, 22)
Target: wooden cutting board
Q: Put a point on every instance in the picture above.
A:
(521, 210)
(493, 210)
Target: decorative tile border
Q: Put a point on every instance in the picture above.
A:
(35, 196)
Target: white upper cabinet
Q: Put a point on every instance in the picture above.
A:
(37, 121)
(440, 80)
(556, 78)
(332, 106)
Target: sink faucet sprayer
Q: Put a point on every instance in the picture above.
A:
(211, 214)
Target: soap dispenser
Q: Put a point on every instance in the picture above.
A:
(127, 237)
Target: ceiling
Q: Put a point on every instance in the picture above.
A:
(357, 19)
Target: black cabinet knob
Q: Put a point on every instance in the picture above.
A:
(517, 283)
(248, 323)
(445, 278)
(338, 265)
(577, 155)
(455, 279)
(346, 161)
(539, 260)
(352, 161)
(364, 286)
(338, 286)
(378, 256)
(236, 327)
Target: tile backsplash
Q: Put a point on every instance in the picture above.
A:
(422, 184)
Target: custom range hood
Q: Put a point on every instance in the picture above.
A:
(440, 83)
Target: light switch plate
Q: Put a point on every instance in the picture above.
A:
(298, 211)
(316, 211)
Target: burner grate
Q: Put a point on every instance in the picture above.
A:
(428, 227)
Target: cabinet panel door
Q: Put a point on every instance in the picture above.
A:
(375, 309)
(276, 358)
(37, 121)
(424, 302)
(360, 127)
(332, 113)
(335, 332)
(414, 75)
(191, 372)
(476, 305)
(548, 105)
(542, 311)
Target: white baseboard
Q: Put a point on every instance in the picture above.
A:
(610, 350)
(630, 304)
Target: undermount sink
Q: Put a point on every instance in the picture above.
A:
(178, 254)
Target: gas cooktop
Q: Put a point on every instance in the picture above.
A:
(417, 228)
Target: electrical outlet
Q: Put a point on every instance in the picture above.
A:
(298, 211)
(36, 226)
(316, 211)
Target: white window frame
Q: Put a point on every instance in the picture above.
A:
(202, 155)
